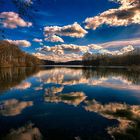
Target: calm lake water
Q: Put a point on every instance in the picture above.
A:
(63, 103)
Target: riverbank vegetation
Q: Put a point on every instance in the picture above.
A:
(12, 56)
(129, 59)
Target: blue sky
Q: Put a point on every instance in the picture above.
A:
(42, 13)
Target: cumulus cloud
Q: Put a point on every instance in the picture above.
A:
(74, 30)
(58, 57)
(64, 48)
(122, 51)
(13, 20)
(63, 52)
(71, 52)
(54, 38)
(22, 43)
(128, 13)
(37, 40)
(127, 49)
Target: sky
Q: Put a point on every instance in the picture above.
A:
(63, 30)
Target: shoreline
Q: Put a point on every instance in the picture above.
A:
(82, 66)
(90, 66)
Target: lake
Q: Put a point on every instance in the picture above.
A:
(69, 103)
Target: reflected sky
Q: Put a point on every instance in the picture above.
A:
(13, 107)
(72, 98)
(127, 116)
(69, 103)
(27, 132)
(66, 76)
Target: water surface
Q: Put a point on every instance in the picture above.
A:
(65, 103)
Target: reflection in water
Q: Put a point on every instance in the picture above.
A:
(126, 74)
(38, 88)
(27, 132)
(11, 77)
(127, 115)
(73, 98)
(53, 90)
(13, 107)
(23, 85)
(118, 79)
(70, 86)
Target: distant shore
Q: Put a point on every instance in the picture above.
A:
(131, 68)
(83, 66)
(77, 66)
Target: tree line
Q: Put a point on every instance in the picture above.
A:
(11, 55)
(128, 59)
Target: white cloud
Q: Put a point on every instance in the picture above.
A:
(127, 49)
(128, 13)
(122, 51)
(121, 43)
(54, 38)
(69, 48)
(63, 52)
(37, 40)
(127, 3)
(58, 57)
(95, 47)
(22, 43)
(71, 52)
(74, 30)
(12, 20)
(64, 48)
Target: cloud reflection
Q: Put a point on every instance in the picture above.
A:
(128, 116)
(23, 85)
(68, 76)
(13, 107)
(72, 98)
(27, 132)
(53, 90)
